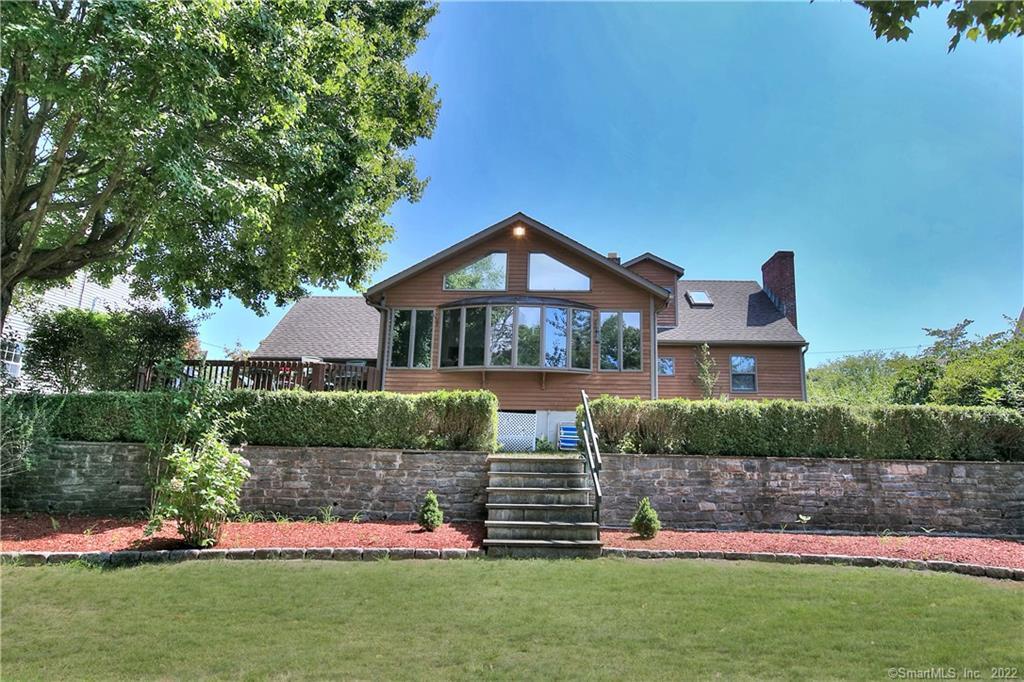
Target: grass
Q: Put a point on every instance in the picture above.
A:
(605, 619)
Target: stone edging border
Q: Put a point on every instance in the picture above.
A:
(998, 572)
(129, 558)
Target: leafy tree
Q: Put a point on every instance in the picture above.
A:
(973, 18)
(248, 147)
(707, 372)
(864, 379)
(989, 373)
(914, 380)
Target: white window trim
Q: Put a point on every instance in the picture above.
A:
(412, 339)
(504, 285)
(620, 314)
(732, 387)
(590, 280)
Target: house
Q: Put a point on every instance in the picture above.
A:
(525, 311)
(82, 292)
(329, 328)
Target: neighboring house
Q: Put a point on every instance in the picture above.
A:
(82, 293)
(534, 316)
(327, 328)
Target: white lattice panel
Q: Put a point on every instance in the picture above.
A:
(517, 431)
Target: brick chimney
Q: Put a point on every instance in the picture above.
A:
(778, 277)
(614, 257)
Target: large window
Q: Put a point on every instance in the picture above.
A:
(502, 335)
(743, 370)
(619, 340)
(411, 335)
(486, 274)
(548, 274)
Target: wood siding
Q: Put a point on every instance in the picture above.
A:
(524, 389)
(664, 277)
(778, 372)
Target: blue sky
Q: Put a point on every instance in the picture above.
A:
(716, 134)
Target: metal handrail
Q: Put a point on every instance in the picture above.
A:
(593, 454)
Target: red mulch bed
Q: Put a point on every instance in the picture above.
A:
(102, 534)
(929, 548)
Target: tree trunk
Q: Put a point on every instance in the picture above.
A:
(6, 295)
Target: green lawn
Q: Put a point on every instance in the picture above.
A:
(502, 619)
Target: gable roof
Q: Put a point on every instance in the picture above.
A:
(520, 217)
(678, 269)
(339, 327)
(741, 313)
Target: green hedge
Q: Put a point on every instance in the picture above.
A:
(783, 428)
(441, 420)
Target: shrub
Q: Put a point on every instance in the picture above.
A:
(645, 521)
(781, 428)
(73, 350)
(201, 490)
(431, 517)
(445, 420)
(24, 430)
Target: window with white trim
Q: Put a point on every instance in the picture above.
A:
(619, 339)
(516, 336)
(485, 274)
(550, 274)
(412, 333)
(743, 370)
(666, 367)
(10, 354)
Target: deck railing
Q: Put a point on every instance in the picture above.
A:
(592, 454)
(265, 375)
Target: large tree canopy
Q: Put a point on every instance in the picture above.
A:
(246, 147)
(972, 18)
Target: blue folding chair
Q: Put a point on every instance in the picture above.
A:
(568, 438)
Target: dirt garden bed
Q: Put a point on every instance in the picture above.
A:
(42, 533)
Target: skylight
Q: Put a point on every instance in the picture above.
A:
(699, 298)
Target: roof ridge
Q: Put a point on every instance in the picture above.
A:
(730, 281)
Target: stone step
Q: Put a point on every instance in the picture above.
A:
(539, 463)
(537, 479)
(555, 549)
(572, 513)
(538, 495)
(542, 530)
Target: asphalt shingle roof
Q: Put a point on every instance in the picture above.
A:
(339, 327)
(742, 312)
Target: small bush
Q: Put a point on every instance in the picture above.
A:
(645, 521)
(201, 489)
(787, 428)
(431, 517)
(442, 420)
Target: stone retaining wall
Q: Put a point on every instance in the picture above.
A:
(837, 494)
(688, 492)
(110, 478)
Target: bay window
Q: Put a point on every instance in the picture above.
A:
(516, 336)
(412, 332)
(619, 341)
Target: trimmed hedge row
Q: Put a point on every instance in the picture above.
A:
(783, 428)
(441, 420)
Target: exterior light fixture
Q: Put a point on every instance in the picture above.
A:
(518, 231)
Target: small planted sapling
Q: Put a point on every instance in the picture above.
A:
(645, 521)
(431, 517)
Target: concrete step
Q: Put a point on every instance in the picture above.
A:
(538, 495)
(542, 530)
(512, 511)
(537, 479)
(537, 463)
(555, 549)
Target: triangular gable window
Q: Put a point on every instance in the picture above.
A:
(486, 274)
(549, 274)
